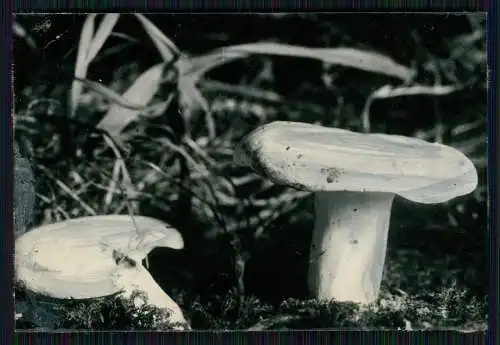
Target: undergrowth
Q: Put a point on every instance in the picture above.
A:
(448, 308)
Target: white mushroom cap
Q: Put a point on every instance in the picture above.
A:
(75, 258)
(317, 158)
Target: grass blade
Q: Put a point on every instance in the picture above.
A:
(102, 34)
(194, 67)
(191, 69)
(81, 60)
(69, 191)
(111, 95)
(165, 46)
(388, 91)
(348, 57)
(367, 61)
(87, 51)
(140, 92)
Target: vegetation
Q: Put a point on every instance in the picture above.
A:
(150, 123)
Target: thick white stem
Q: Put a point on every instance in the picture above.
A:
(349, 245)
(139, 279)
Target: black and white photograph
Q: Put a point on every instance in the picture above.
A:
(250, 171)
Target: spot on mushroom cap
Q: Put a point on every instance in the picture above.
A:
(317, 158)
(74, 258)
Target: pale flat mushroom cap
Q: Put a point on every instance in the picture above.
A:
(317, 158)
(74, 258)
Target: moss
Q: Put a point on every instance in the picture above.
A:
(107, 313)
(450, 308)
(114, 314)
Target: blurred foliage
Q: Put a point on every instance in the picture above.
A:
(247, 240)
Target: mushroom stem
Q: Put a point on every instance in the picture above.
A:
(349, 245)
(141, 280)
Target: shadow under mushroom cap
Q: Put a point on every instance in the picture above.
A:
(316, 158)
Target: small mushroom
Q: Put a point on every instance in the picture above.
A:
(354, 178)
(91, 257)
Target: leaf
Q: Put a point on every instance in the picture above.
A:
(140, 92)
(468, 127)
(81, 60)
(165, 46)
(85, 43)
(88, 49)
(348, 57)
(104, 31)
(111, 95)
(191, 69)
(194, 67)
(388, 91)
(191, 99)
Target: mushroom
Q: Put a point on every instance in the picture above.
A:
(354, 178)
(91, 257)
